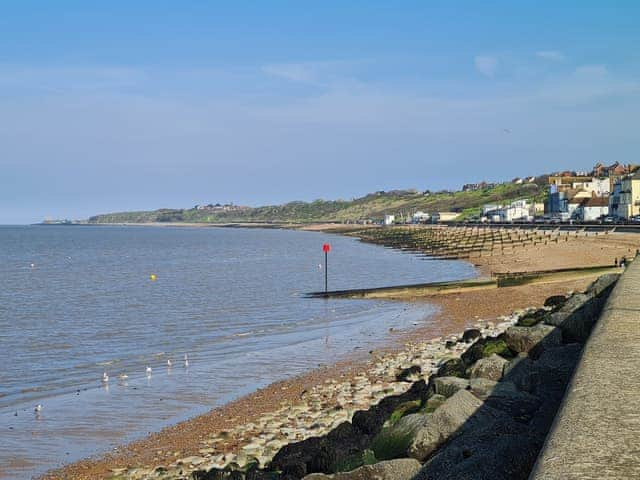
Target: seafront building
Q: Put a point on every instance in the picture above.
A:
(628, 201)
(579, 197)
(590, 209)
(517, 210)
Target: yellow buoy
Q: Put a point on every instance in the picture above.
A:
(153, 277)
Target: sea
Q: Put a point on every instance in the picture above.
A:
(79, 302)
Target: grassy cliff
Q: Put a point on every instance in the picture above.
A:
(373, 206)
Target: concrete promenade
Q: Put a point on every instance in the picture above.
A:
(596, 434)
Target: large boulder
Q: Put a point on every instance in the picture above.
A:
(577, 316)
(433, 403)
(485, 347)
(482, 387)
(399, 469)
(491, 367)
(522, 372)
(502, 450)
(447, 386)
(459, 413)
(532, 318)
(453, 367)
(532, 340)
(403, 409)
(554, 370)
(394, 440)
(602, 284)
(506, 397)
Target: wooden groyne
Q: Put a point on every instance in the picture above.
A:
(496, 281)
(462, 242)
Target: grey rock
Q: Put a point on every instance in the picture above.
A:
(554, 371)
(482, 387)
(502, 450)
(559, 362)
(602, 284)
(461, 412)
(399, 469)
(522, 372)
(577, 317)
(519, 405)
(447, 386)
(491, 368)
(532, 340)
(434, 402)
(452, 368)
(575, 302)
(394, 440)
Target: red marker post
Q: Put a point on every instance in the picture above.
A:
(326, 248)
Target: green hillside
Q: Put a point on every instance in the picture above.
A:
(370, 207)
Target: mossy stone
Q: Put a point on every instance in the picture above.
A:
(403, 409)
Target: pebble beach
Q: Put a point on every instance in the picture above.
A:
(252, 429)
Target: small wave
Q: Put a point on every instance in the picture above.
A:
(108, 362)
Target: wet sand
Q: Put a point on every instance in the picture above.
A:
(457, 312)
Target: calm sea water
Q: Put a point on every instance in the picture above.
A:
(78, 301)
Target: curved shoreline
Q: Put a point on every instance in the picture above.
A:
(458, 311)
(187, 437)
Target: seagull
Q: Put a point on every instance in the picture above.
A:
(105, 378)
(38, 408)
(186, 360)
(506, 130)
(169, 363)
(123, 376)
(33, 265)
(148, 370)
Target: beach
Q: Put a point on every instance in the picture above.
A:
(192, 440)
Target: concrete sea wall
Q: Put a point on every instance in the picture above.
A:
(596, 433)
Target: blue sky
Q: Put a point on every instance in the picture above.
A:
(108, 106)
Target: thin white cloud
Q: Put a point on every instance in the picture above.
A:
(551, 55)
(592, 71)
(293, 72)
(327, 74)
(486, 65)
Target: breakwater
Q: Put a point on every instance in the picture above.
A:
(453, 242)
(498, 280)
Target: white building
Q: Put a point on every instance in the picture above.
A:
(591, 209)
(599, 186)
(490, 208)
(389, 219)
(517, 210)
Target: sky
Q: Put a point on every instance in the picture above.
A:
(120, 105)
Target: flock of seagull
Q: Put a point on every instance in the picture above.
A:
(124, 376)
